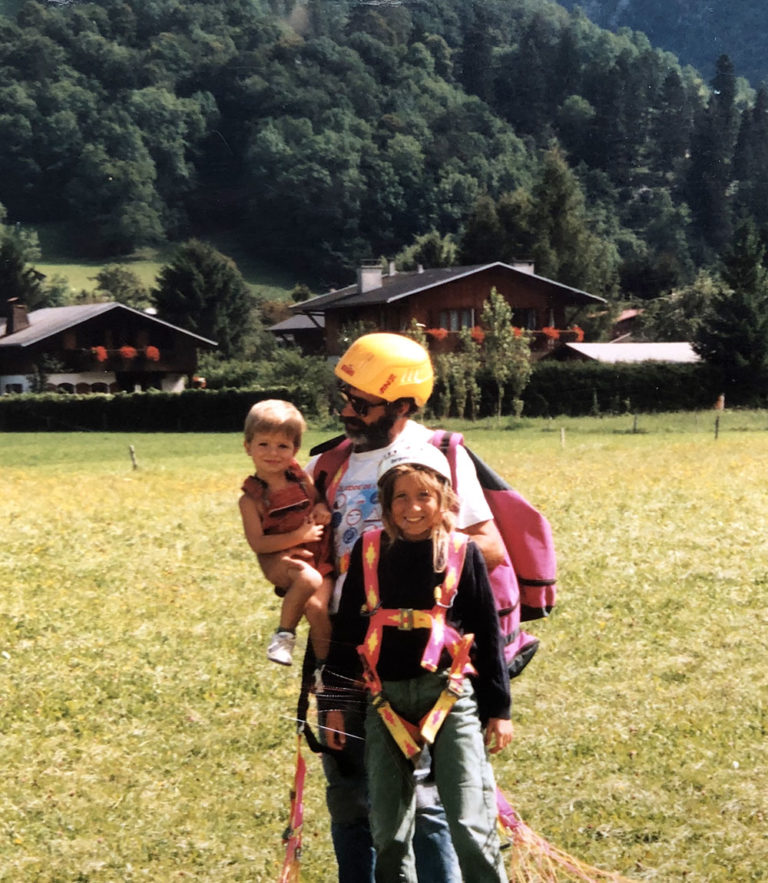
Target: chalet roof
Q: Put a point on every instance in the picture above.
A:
(302, 322)
(677, 351)
(406, 284)
(50, 321)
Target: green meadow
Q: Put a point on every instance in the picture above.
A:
(265, 280)
(144, 736)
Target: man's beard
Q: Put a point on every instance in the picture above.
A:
(369, 436)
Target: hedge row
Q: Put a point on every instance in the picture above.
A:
(579, 388)
(555, 389)
(191, 411)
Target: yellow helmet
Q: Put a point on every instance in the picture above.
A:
(389, 366)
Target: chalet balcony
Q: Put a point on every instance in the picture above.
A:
(542, 341)
(100, 358)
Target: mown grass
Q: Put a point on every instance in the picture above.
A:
(265, 280)
(145, 737)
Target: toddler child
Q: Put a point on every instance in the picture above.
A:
(418, 607)
(281, 509)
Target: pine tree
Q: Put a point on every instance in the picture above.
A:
(203, 291)
(671, 125)
(751, 159)
(734, 334)
(17, 280)
(476, 55)
(564, 246)
(711, 168)
(483, 239)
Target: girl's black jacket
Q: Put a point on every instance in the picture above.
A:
(407, 580)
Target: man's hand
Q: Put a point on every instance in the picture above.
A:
(335, 736)
(488, 539)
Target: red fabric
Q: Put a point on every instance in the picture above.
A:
(287, 509)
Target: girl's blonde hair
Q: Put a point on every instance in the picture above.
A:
(275, 415)
(447, 504)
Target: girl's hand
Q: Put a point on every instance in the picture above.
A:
(498, 734)
(334, 733)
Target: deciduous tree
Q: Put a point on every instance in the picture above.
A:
(118, 283)
(506, 357)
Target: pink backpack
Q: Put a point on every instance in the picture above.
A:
(524, 584)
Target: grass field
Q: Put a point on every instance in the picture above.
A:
(266, 281)
(143, 736)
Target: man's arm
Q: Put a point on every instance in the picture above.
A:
(475, 517)
(488, 539)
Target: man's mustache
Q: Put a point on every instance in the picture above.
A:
(354, 424)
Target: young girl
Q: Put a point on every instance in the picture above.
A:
(280, 509)
(418, 603)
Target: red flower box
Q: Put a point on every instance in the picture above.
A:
(152, 353)
(100, 353)
(128, 352)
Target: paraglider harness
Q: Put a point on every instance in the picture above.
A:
(411, 737)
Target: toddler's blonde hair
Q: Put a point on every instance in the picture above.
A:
(275, 415)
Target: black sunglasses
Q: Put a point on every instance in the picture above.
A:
(360, 406)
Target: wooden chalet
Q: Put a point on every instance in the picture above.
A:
(443, 301)
(106, 347)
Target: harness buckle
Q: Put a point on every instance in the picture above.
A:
(405, 622)
(377, 700)
(455, 686)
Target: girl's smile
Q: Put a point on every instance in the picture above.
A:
(415, 509)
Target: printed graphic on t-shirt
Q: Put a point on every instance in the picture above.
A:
(355, 509)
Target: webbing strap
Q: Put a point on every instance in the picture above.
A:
(292, 835)
(334, 480)
(402, 731)
(433, 720)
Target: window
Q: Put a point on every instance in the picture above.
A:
(455, 320)
(524, 318)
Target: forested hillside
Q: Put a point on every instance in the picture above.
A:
(697, 32)
(328, 132)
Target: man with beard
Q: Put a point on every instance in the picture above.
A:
(383, 380)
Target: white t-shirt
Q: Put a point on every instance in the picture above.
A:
(355, 507)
